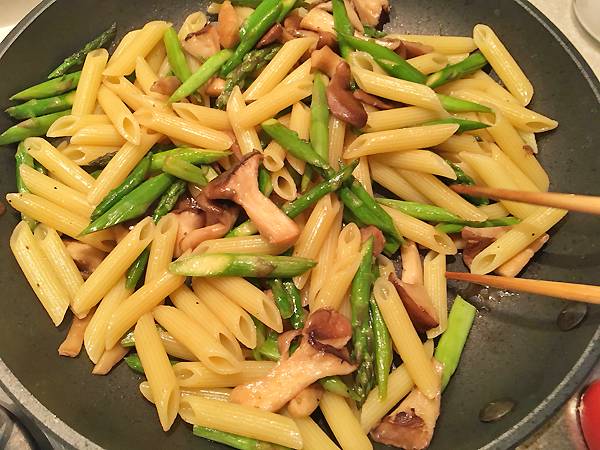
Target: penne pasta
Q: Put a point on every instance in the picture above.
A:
(100, 135)
(300, 73)
(254, 245)
(69, 125)
(429, 62)
(156, 57)
(284, 185)
(434, 280)
(337, 134)
(210, 117)
(89, 82)
(122, 119)
(145, 75)
(247, 137)
(162, 247)
(343, 423)
(300, 123)
(443, 44)
(418, 161)
(313, 436)
(392, 119)
(493, 210)
(363, 174)
(274, 156)
(390, 179)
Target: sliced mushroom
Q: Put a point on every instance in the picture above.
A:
(353, 16)
(513, 266)
(240, 185)
(228, 27)
(341, 102)
(412, 267)
(215, 87)
(86, 257)
(408, 49)
(370, 11)
(305, 403)
(321, 353)
(325, 6)
(372, 100)
(477, 239)
(166, 85)
(325, 60)
(378, 238)
(189, 221)
(292, 30)
(411, 425)
(318, 20)
(417, 303)
(272, 35)
(204, 43)
(214, 230)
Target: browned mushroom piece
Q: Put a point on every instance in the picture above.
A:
(273, 34)
(292, 30)
(341, 102)
(305, 403)
(378, 238)
(372, 100)
(240, 185)
(408, 49)
(477, 239)
(370, 11)
(189, 220)
(325, 60)
(321, 353)
(228, 26)
(411, 425)
(417, 303)
(204, 43)
(86, 257)
(166, 85)
(318, 20)
(215, 87)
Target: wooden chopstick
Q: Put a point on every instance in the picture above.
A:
(572, 202)
(567, 291)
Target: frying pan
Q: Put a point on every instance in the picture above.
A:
(515, 349)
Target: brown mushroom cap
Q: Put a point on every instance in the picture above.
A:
(273, 34)
(417, 303)
(372, 100)
(378, 238)
(341, 102)
(204, 43)
(325, 60)
(86, 257)
(166, 85)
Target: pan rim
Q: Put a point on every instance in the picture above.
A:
(65, 434)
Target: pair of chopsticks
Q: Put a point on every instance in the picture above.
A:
(572, 202)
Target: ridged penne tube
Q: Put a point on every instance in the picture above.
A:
(337, 134)
(443, 44)
(65, 268)
(429, 62)
(275, 101)
(156, 56)
(503, 63)
(392, 119)
(237, 321)
(421, 232)
(55, 191)
(398, 90)
(183, 129)
(278, 67)
(247, 137)
(185, 300)
(158, 370)
(399, 385)
(441, 195)
(253, 245)
(174, 347)
(221, 394)
(489, 85)
(273, 156)
(145, 75)
(493, 210)
(386, 266)
(123, 63)
(315, 233)
(459, 143)
(197, 339)
(419, 161)
(399, 140)
(120, 166)
(300, 123)
(389, 178)
(120, 116)
(101, 135)
(139, 303)
(313, 436)
(63, 169)
(244, 421)
(250, 298)
(113, 267)
(344, 423)
(300, 73)
(210, 117)
(124, 43)
(284, 185)
(39, 272)
(365, 61)
(89, 82)
(363, 174)
(94, 337)
(516, 240)
(509, 140)
(61, 219)
(162, 247)
(69, 125)
(434, 280)
(405, 338)
(522, 181)
(132, 96)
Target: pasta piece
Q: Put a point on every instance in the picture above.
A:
(254, 245)
(192, 23)
(343, 423)
(157, 368)
(434, 280)
(429, 62)
(273, 156)
(300, 73)
(210, 117)
(109, 359)
(69, 125)
(156, 57)
(194, 375)
(84, 155)
(247, 137)
(489, 85)
(162, 247)
(113, 267)
(390, 179)
(145, 75)
(313, 436)
(89, 82)
(460, 143)
(392, 119)
(71, 346)
(220, 394)
(444, 44)
(363, 175)
(337, 133)
(522, 181)
(458, 57)
(300, 123)
(386, 266)
(39, 272)
(365, 61)
(100, 135)
(493, 210)
(284, 185)
(133, 97)
(419, 161)
(120, 116)
(174, 347)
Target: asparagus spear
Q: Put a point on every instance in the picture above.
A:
(463, 178)
(135, 178)
(187, 154)
(282, 299)
(168, 200)
(457, 227)
(286, 7)
(137, 269)
(50, 88)
(269, 349)
(453, 104)
(175, 55)
(453, 340)
(362, 335)
(319, 118)
(373, 32)
(35, 107)
(245, 229)
(202, 75)
(382, 342)
(471, 64)
(133, 205)
(36, 126)
(241, 265)
(342, 23)
(298, 315)
(78, 58)
(421, 211)
(256, 25)
(463, 124)
(185, 171)
(336, 385)
(133, 361)
(264, 181)
(23, 158)
(233, 440)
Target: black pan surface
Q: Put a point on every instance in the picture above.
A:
(515, 349)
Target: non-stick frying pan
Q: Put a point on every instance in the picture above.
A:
(515, 350)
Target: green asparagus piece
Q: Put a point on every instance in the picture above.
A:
(247, 3)
(36, 126)
(286, 7)
(23, 158)
(96, 173)
(50, 88)
(245, 229)
(78, 58)
(202, 75)
(342, 23)
(241, 265)
(390, 61)
(391, 245)
(471, 64)
(457, 227)
(428, 213)
(185, 171)
(362, 334)
(373, 32)
(319, 118)
(175, 55)
(233, 440)
(134, 363)
(100, 162)
(282, 299)
(135, 178)
(463, 124)
(269, 349)
(306, 178)
(133, 205)
(456, 105)
(41, 107)
(168, 200)
(187, 154)
(264, 181)
(299, 314)
(137, 269)
(383, 348)
(452, 342)
(336, 385)
(261, 336)
(463, 178)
